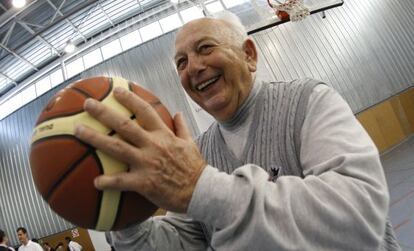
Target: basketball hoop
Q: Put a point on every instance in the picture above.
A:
(294, 10)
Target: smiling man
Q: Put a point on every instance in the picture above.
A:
(215, 67)
(286, 166)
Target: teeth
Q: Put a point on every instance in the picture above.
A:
(207, 83)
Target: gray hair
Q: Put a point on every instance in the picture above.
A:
(234, 23)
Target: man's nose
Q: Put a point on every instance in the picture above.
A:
(196, 65)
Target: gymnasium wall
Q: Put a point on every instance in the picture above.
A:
(20, 203)
(363, 49)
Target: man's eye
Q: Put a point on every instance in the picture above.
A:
(181, 64)
(205, 48)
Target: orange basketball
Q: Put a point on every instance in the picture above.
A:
(64, 167)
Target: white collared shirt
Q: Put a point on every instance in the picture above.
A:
(31, 246)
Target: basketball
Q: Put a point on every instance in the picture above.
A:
(64, 167)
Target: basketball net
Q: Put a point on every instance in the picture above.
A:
(294, 10)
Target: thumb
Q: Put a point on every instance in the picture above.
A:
(181, 127)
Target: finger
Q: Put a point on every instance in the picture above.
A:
(124, 181)
(112, 146)
(145, 114)
(181, 127)
(127, 128)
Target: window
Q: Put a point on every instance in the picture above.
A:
(191, 14)
(111, 49)
(214, 7)
(92, 58)
(232, 3)
(28, 94)
(130, 40)
(11, 105)
(170, 23)
(43, 86)
(3, 110)
(150, 31)
(74, 67)
(56, 77)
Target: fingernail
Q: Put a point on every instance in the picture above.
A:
(90, 103)
(119, 90)
(96, 183)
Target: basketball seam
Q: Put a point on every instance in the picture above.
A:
(72, 167)
(89, 152)
(119, 209)
(60, 116)
(98, 209)
(80, 91)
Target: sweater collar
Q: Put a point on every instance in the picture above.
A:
(244, 110)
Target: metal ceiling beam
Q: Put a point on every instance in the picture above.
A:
(72, 11)
(12, 13)
(92, 42)
(24, 25)
(106, 15)
(139, 3)
(9, 78)
(8, 34)
(2, 6)
(31, 24)
(67, 20)
(19, 57)
(56, 12)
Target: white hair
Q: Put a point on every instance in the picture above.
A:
(234, 23)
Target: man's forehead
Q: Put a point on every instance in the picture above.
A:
(199, 26)
(200, 23)
(197, 30)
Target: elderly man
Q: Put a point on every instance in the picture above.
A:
(286, 166)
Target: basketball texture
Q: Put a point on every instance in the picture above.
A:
(64, 167)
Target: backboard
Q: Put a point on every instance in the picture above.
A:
(257, 15)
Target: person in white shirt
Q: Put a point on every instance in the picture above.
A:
(73, 245)
(27, 244)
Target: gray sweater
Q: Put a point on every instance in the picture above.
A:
(303, 176)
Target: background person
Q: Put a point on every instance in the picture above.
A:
(59, 247)
(4, 242)
(73, 245)
(47, 247)
(27, 244)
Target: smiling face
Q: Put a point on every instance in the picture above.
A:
(215, 65)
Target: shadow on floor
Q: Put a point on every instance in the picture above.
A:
(399, 171)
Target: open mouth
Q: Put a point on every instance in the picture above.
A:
(203, 86)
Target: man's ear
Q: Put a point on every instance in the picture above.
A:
(249, 49)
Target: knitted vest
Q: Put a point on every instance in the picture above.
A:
(279, 113)
(274, 139)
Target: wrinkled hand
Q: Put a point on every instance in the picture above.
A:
(163, 167)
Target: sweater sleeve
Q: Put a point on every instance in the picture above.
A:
(340, 204)
(173, 232)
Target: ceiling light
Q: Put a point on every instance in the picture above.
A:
(69, 47)
(19, 3)
(174, 1)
